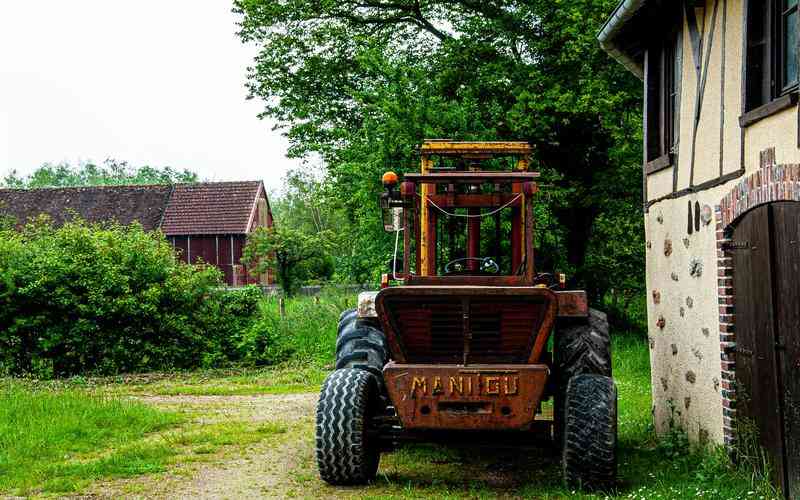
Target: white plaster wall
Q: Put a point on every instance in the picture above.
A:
(659, 184)
(778, 131)
(685, 353)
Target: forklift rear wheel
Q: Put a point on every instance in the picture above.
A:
(583, 346)
(361, 345)
(347, 448)
(590, 434)
(347, 317)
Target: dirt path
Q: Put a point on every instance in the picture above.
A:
(273, 468)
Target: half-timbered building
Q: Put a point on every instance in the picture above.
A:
(721, 189)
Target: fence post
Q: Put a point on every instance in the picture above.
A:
(282, 305)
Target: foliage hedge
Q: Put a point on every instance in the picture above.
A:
(107, 299)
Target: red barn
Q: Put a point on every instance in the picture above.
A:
(210, 222)
(205, 222)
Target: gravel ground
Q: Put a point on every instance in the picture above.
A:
(259, 471)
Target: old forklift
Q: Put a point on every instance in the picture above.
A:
(457, 343)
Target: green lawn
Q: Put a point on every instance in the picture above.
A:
(56, 439)
(50, 439)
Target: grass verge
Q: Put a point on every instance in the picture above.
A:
(45, 436)
(60, 440)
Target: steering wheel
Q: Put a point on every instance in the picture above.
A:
(488, 265)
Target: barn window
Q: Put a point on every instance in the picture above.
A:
(662, 76)
(771, 65)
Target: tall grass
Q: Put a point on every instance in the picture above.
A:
(304, 334)
(49, 438)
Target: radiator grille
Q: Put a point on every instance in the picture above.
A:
(432, 329)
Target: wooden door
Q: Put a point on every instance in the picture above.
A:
(766, 263)
(786, 237)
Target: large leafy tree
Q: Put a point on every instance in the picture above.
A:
(362, 82)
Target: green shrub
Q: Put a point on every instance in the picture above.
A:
(87, 298)
(233, 314)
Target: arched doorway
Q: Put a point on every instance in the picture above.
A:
(764, 248)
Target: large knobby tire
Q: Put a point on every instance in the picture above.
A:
(347, 451)
(361, 345)
(347, 317)
(590, 437)
(582, 347)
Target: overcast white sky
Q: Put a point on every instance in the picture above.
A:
(151, 82)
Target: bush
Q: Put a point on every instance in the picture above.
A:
(106, 299)
(233, 314)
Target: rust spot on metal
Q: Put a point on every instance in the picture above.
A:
(572, 304)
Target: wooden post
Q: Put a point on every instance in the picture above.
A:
(282, 307)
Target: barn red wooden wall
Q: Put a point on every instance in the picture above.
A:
(222, 251)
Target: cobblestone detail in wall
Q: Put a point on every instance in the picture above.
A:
(770, 183)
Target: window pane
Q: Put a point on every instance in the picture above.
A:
(790, 4)
(790, 48)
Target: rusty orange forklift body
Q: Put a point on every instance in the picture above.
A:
(456, 342)
(467, 349)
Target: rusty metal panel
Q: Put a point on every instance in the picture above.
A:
(466, 324)
(471, 177)
(572, 304)
(452, 281)
(496, 397)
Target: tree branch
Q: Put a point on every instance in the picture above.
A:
(398, 13)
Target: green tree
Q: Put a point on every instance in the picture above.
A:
(311, 205)
(288, 252)
(361, 83)
(111, 172)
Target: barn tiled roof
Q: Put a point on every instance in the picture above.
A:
(211, 208)
(123, 204)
